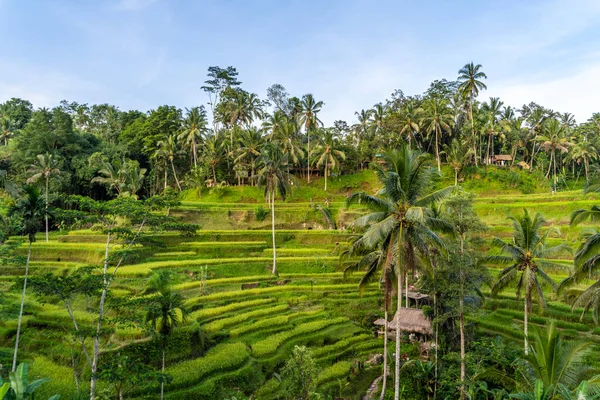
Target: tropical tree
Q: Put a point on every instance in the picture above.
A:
(584, 151)
(586, 262)
(401, 216)
(310, 120)
(45, 167)
(194, 126)
(165, 313)
(491, 111)
(169, 150)
(19, 387)
(213, 153)
(553, 139)
(457, 155)
(250, 143)
(327, 154)
(526, 255)
(410, 116)
(111, 176)
(273, 123)
(437, 119)
(287, 139)
(470, 78)
(7, 129)
(272, 174)
(31, 210)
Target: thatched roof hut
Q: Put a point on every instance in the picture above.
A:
(411, 320)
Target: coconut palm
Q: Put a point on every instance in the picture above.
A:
(437, 119)
(377, 115)
(401, 216)
(470, 77)
(194, 126)
(362, 129)
(169, 150)
(46, 165)
(410, 116)
(457, 155)
(553, 138)
(526, 255)
(7, 129)
(111, 176)
(213, 153)
(272, 174)
(31, 210)
(492, 112)
(586, 262)
(375, 263)
(310, 121)
(250, 143)
(287, 139)
(584, 151)
(165, 313)
(274, 122)
(327, 154)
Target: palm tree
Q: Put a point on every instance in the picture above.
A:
(557, 363)
(273, 123)
(169, 149)
(526, 254)
(410, 116)
(165, 313)
(492, 111)
(45, 167)
(326, 153)
(310, 109)
(401, 217)
(7, 129)
(363, 127)
(213, 153)
(110, 176)
(586, 262)
(584, 151)
(273, 176)
(470, 77)
(31, 210)
(250, 143)
(457, 155)
(378, 114)
(373, 261)
(194, 126)
(438, 118)
(287, 139)
(134, 178)
(553, 139)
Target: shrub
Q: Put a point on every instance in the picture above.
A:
(336, 371)
(260, 213)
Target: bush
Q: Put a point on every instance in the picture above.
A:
(260, 213)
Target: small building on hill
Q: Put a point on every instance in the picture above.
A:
(412, 320)
(502, 159)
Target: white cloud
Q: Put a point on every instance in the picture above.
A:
(576, 93)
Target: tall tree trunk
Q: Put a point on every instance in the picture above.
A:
(308, 156)
(399, 308)
(195, 152)
(385, 354)
(437, 152)
(326, 161)
(549, 166)
(525, 328)
(46, 214)
(20, 319)
(162, 380)
(214, 174)
(274, 271)
(473, 129)
(406, 289)
(455, 176)
(165, 177)
(585, 165)
(462, 341)
(175, 175)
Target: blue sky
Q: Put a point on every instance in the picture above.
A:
(350, 54)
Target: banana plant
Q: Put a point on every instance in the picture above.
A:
(19, 387)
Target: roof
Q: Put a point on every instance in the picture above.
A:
(503, 157)
(416, 295)
(411, 320)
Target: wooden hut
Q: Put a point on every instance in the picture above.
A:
(502, 159)
(412, 320)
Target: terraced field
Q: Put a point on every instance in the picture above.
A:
(253, 319)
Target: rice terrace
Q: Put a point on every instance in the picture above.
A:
(251, 244)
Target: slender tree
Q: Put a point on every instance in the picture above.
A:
(526, 255)
(31, 210)
(272, 174)
(169, 150)
(400, 215)
(327, 154)
(45, 167)
(194, 126)
(437, 119)
(310, 121)
(470, 83)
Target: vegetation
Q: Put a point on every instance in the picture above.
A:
(159, 271)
